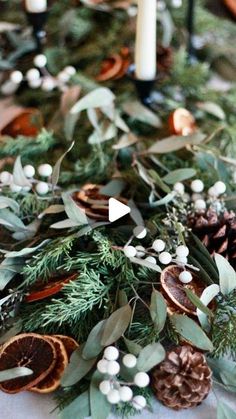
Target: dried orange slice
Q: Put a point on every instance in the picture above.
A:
(52, 381)
(174, 288)
(70, 344)
(42, 291)
(110, 67)
(28, 123)
(231, 5)
(27, 350)
(182, 122)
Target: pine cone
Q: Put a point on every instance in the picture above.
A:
(164, 59)
(183, 379)
(217, 232)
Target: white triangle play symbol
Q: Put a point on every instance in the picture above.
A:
(117, 210)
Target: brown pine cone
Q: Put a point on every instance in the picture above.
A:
(164, 59)
(217, 232)
(183, 379)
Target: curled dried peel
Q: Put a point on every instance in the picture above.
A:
(182, 122)
(27, 350)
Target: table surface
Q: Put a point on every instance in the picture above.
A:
(33, 406)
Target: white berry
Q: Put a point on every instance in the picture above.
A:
(15, 188)
(126, 393)
(29, 171)
(141, 379)
(105, 387)
(5, 177)
(212, 192)
(182, 251)
(130, 251)
(63, 77)
(45, 170)
(196, 196)
(113, 368)
(111, 353)
(48, 84)
(139, 402)
(185, 277)
(151, 259)
(42, 188)
(33, 74)
(102, 366)
(40, 60)
(16, 77)
(129, 360)
(140, 251)
(158, 245)
(140, 232)
(165, 258)
(179, 188)
(197, 186)
(220, 187)
(113, 396)
(200, 205)
(35, 84)
(182, 260)
(70, 70)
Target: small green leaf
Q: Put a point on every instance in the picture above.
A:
(158, 310)
(25, 252)
(98, 98)
(178, 176)
(212, 108)
(227, 274)
(57, 167)
(6, 202)
(99, 406)
(224, 411)
(116, 325)
(190, 331)
(93, 345)
(77, 368)
(78, 409)
(122, 298)
(125, 141)
(146, 264)
(175, 142)
(207, 296)
(19, 177)
(73, 211)
(13, 331)
(133, 347)
(137, 111)
(52, 209)
(197, 302)
(150, 356)
(113, 188)
(14, 373)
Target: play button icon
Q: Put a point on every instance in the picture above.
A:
(117, 210)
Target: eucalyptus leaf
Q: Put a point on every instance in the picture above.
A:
(113, 188)
(133, 347)
(227, 274)
(13, 373)
(11, 220)
(67, 223)
(57, 167)
(150, 356)
(19, 177)
(175, 143)
(79, 408)
(190, 331)
(73, 211)
(164, 201)
(122, 298)
(125, 141)
(212, 108)
(6, 202)
(140, 112)
(224, 371)
(52, 209)
(146, 264)
(158, 310)
(224, 411)
(98, 98)
(197, 302)
(99, 405)
(116, 325)
(93, 345)
(207, 296)
(77, 368)
(25, 252)
(13, 331)
(135, 214)
(178, 176)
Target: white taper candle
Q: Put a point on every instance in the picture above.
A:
(36, 6)
(145, 48)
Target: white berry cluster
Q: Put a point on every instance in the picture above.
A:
(198, 197)
(37, 77)
(118, 391)
(42, 187)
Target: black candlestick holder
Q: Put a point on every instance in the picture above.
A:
(38, 21)
(145, 89)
